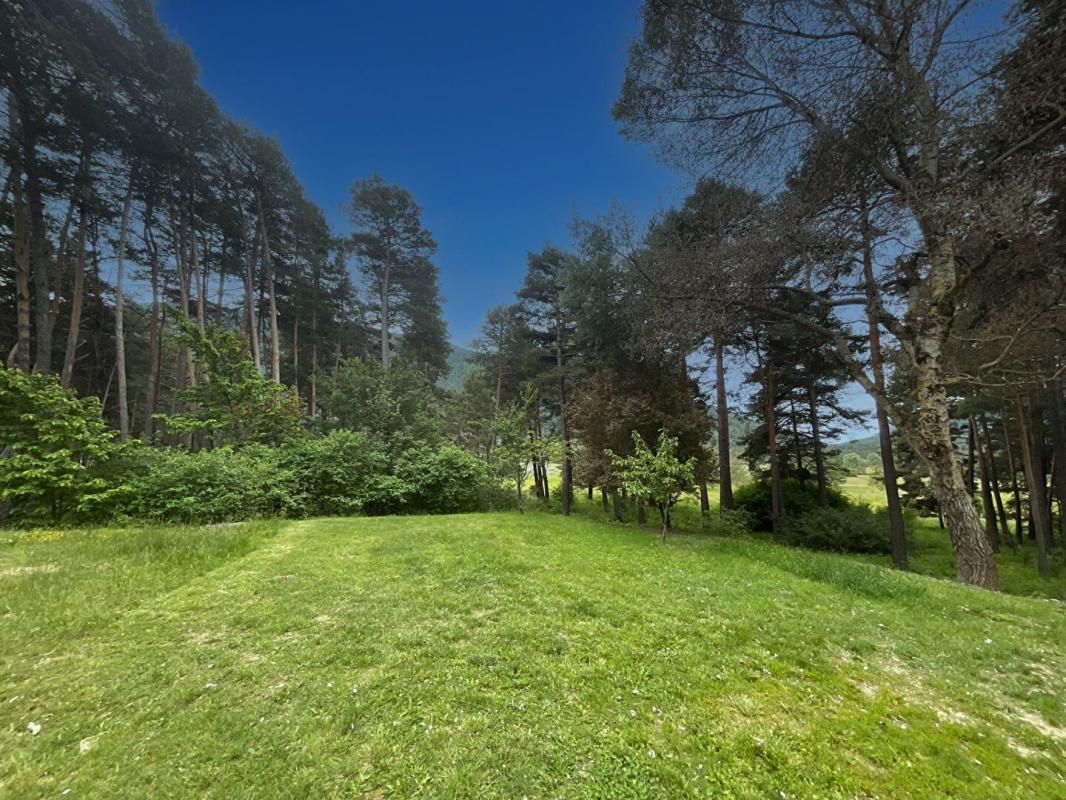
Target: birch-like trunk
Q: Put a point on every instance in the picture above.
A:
(974, 561)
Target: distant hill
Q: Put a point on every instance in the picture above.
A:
(863, 446)
(460, 363)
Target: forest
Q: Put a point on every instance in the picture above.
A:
(880, 205)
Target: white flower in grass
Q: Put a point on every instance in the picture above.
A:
(33, 728)
(651, 754)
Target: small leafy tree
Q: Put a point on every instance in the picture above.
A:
(658, 477)
(53, 445)
(234, 404)
(513, 449)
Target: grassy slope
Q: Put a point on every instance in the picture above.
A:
(503, 655)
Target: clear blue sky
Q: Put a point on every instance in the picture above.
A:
(496, 116)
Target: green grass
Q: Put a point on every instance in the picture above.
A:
(507, 655)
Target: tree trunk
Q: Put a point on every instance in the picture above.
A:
(268, 264)
(981, 448)
(120, 331)
(603, 500)
(1013, 478)
(568, 464)
(664, 512)
(1032, 440)
(296, 355)
(1057, 414)
(151, 392)
(250, 321)
(77, 298)
(616, 506)
(642, 513)
(993, 471)
(705, 500)
(971, 486)
(974, 561)
(23, 270)
(897, 533)
(819, 455)
(195, 279)
(725, 485)
(38, 239)
(776, 504)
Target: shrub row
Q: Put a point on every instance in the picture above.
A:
(841, 526)
(341, 473)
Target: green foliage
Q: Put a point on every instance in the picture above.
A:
(234, 404)
(657, 477)
(799, 498)
(854, 529)
(727, 522)
(53, 448)
(341, 473)
(207, 486)
(394, 406)
(441, 478)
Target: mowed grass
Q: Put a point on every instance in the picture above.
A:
(508, 655)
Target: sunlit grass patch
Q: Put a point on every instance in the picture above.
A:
(508, 655)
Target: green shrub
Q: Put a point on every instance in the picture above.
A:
(724, 522)
(443, 479)
(799, 498)
(341, 473)
(207, 486)
(855, 529)
(54, 449)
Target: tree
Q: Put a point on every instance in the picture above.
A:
(657, 477)
(541, 297)
(396, 407)
(234, 404)
(717, 82)
(55, 445)
(393, 251)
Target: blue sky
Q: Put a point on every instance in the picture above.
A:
(496, 116)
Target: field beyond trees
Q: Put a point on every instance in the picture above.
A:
(508, 655)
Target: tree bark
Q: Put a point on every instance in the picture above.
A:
(1013, 478)
(568, 464)
(155, 364)
(974, 561)
(997, 491)
(725, 485)
(120, 331)
(981, 448)
(705, 499)
(819, 454)
(616, 506)
(1057, 414)
(250, 322)
(23, 270)
(1032, 457)
(77, 299)
(268, 264)
(776, 505)
(38, 242)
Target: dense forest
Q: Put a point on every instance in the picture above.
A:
(878, 201)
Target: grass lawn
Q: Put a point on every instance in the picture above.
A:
(511, 656)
